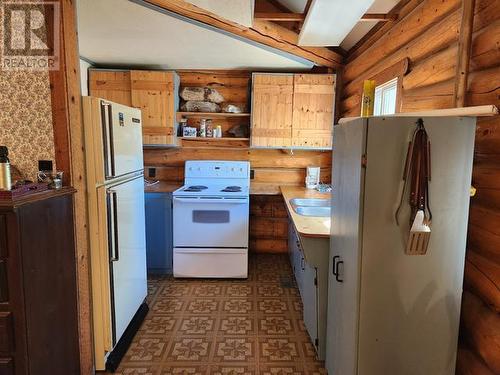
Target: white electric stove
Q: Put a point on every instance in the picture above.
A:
(210, 223)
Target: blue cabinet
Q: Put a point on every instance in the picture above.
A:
(159, 243)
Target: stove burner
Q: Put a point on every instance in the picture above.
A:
(195, 188)
(232, 189)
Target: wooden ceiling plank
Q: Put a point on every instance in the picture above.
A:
(277, 16)
(370, 17)
(264, 32)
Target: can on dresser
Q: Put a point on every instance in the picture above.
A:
(5, 179)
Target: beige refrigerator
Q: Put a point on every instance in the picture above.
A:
(115, 188)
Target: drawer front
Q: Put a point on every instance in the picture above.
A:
(6, 333)
(6, 366)
(3, 237)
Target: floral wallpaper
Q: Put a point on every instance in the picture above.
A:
(26, 119)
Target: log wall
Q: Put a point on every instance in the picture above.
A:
(427, 33)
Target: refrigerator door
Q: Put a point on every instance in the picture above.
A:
(127, 251)
(122, 139)
(349, 144)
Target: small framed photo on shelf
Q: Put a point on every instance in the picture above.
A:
(189, 132)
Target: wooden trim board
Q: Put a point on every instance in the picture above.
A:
(478, 111)
(70, 156)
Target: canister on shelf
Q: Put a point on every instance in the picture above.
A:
(210, 129)
(182, 125)
(203, 128)
(219, 131)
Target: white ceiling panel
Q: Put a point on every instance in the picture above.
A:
(362, 28)
(127, 33)
(239, 11)
(329, 21)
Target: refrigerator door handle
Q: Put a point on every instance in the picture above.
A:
(107, 138)
(111, 198)
(334, 267)
(337, 273)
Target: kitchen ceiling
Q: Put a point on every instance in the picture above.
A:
(128, 33)
(357, 29)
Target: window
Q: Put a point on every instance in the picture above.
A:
(385, 98)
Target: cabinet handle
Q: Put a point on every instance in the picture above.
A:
(334, 267)
(337, 276)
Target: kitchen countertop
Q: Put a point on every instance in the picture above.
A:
(308, 226)
(162, 187)
(255, 188)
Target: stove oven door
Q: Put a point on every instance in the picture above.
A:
(210, 222)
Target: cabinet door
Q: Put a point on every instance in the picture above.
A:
(310, 301)
(159, 232)
(272, 102)
(313, 103)
(110, 85)
(154, 94)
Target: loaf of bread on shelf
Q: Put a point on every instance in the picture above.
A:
(200, 106)
(231, 108)
(204, 94)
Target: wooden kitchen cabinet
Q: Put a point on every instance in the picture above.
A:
(292, 110)
(272, 109)
(110, 85)
(155, 93)
(313, 104)
(38, 291)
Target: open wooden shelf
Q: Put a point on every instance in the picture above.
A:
(211, 114)
(228, 142)
(210, 139)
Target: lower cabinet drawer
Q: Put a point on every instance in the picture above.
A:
(6, 366)
(6, 333)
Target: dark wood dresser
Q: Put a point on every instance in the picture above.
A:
(38, 292)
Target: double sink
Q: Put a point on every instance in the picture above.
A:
(311, 206)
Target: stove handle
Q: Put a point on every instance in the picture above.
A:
(212, 200)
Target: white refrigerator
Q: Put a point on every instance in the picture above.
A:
(115, 183)
(389, 312)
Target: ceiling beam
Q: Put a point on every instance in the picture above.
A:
(263, 32)
(277, 16)
(368, 17)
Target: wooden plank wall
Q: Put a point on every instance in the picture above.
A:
(427, 34)
(271, 168)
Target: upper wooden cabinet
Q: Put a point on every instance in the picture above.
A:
(292, 110)
(110, 85)
(155, 93)
(313, 103)
(272, 110)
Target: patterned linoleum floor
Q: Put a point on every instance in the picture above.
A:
(224, 327)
